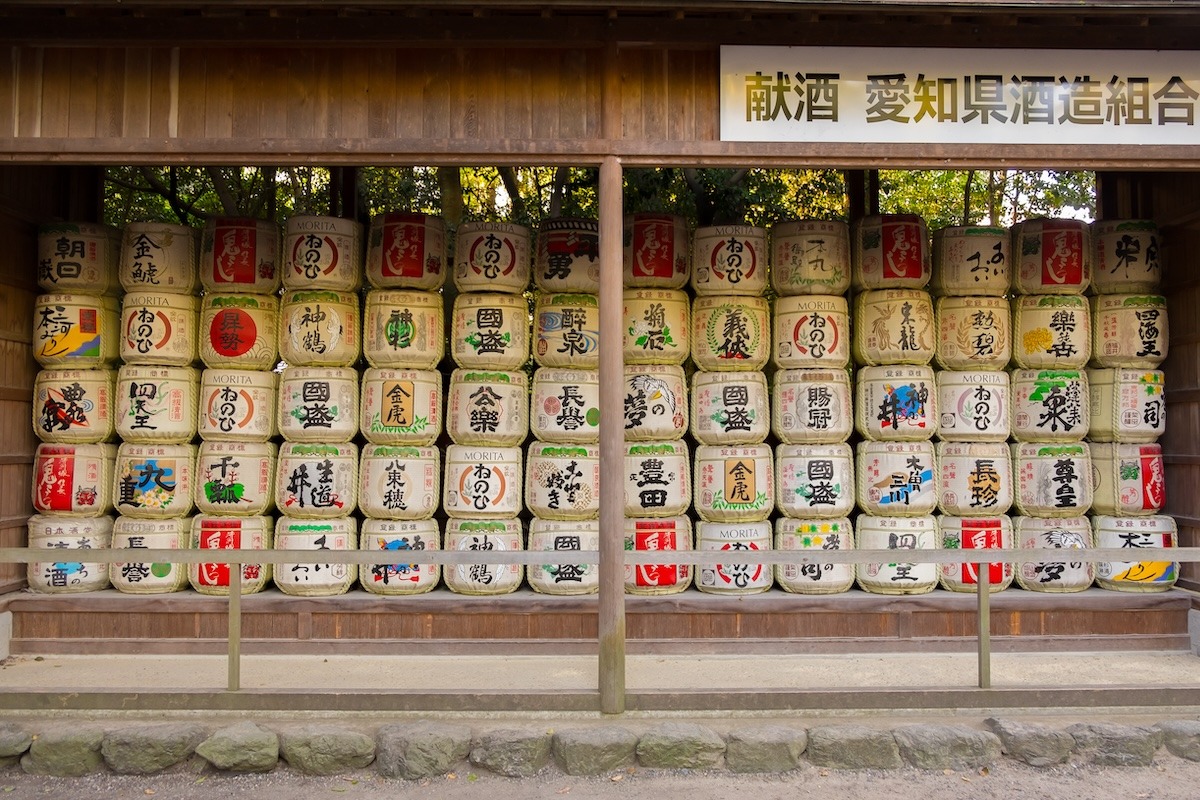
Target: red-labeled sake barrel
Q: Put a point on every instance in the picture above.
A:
(317, 480)
(488, 408)
(159, 328)
(239, 331)
(149, 577)
(896, 404)
(974, 406)
(67, 536)
(975, 533)
(210, 532)
(319, 328)
(657, 325)
(318, 404)
(658, 479)
(1128, 256)
(1143, 535)
(405, 330)
(814, 480)
(975, 479)
(890, 251)
(78, 257)
(1053, 480)
(566, 331)
(491, 257)
(811, 406)
(1050, 405)
(896, 478)
(656, 251)
(401, 406)
(734, 483)
(490, 330)
(393, 540)
(322, 253)
(730, 407)
(78, 331)
(160, 257)
(568, 255)
(73, 479)
(562, 481)
(237, 404)
(894, 326)
(810, 576)
(656, 403)
(239, 254)
(1130, 479)
(810, 256)
(398, 482)
(73, 406)
(729, 260)
(484, 536)
(565, 405)
(971, 260)
(568, 576)
(1053, 256)
(236, 477)
(1051, 332)
(896, 577)
(315, 580)
(731, 333)
(670, 535)
(482, 482)
(1060, 572)
(155, 481)
(1129, 330)
(1128, 405)
(734, 538)
(407, 250)
(974, 332)
(811, 331)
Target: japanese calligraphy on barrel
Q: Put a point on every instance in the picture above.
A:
(488, 408)
(975, 533)
(1050, 405)
(811, 331)
(74, 406)
(142, 577)
(734, 538)
(155, 481)
(491, 257)
(902, 534)
(562, 481)
(894, 326)
(406, 250)
(1053, 256)
(1128, 405)
(317, 480)
(315, 580)
(159, 257)
(404, 329)
(896, 403)
(210, 532)
(239, 254)
(730, 407)
(1130, 479)
(1060, 572)
(235, 477)
(1052, 480)
(1128, 256)
(655, 251)
(159, 328)
(734, 483)
(810, 256)
(974, 332)
(896, 478)
(671, 534)
(67, 536)
(237, 404)
(484, 536)
(79, 331)
(975, 479)
(809, 575)
(318, 404)
(392, 540)
(971, 260)
(239, 331)
(562, 538)
(729, 260)
(1142, 536)
(974, 406)
(78, 257)
(319, 328)
(322, 253)
(1051, 332)
(490, 330)
(1129, 330)
(73, 479)
(565, 405)
(568, 255)
(890, 251)
(401, 406)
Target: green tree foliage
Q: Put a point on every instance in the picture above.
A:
(996, 197)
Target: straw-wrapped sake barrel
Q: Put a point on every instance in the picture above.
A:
(399, 482)
(895, 577)
(894, 326)
(488, 408)
(814, 480)
(810, 256)
(237, 404)
(155, 481)
(404, 330)
(406, 250)
(1155, 573)
(1053, 256)
(317, 480)
(734, 483)
(975, 479)
(656, 325)
(62, 534)
(1128, 255)
(1130, 479)
(562, 481)
(974, 406)
(318, 404)
(1129, 330)
(210, 532)
(975, 533)
(1052, 480)
(73, 479)
(971, 260)
(401, 406)
(157, 404)
(896, 403)
(482, 482)
(1051, 331)
(491, 257)
(1060, 572)
(729, 260)
(730, 407)
(315, 580)
(1127, 405)
(1050, 405)
(239, 331)
(733, 538)
(810, 576)
(484, 536)
(77, 331)
(319, 328)
(565, 405)
(159, 328)
(731, 332)
(896, 478)
(658, 479)
(656, 251)
(239, 254)
(811, 406)
(78, 257)
(322, 253)
(236, 478)
(568, 255)
(393, 539)
(890, 251)
(490, 330)
(671, 534)
(161, 257)
(656, 403)
(566, 331)
(811, 331)
(74, 406)
(974, 332)
(143, 577)
(562, 537)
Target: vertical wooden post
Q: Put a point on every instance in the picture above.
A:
(983, 585)
(235, 628)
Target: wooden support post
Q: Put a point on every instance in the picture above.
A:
(983, 585)
(235, 628)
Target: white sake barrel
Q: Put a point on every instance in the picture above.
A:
(79, 331)
(896, 478)
(237, 404)
(897, 533)
(398, 482)
(1053, 480)
(810, 256)
(656, 251)
(155, 481)
(318, 404)
(490, 331)
(975, 533)
(894, 326)
(562, 481)
(734, 484)
(1051, 332)
(566, 331)
(159, 328)
(1130, 479)
(729, 260)
(811, 331)
(491, 257)
(657, 325)
(731, 333)
(656, 403)
(317, 480)
(74, 406)
(488, 408)
(1136, 533)
(482, 482)
(236, 477)
(73, 479)
(1129, 330)
(319, 328)
(315, 580)
(239, 254)
(407, 250)
(239, 331)
(971, 260)
(211, 532)
(1128, 256)
(565, 405)
(974, 332)
(814, 480)
(658, 479)
(144, 577)
(568, 255)
(405, 330)
(975, 479)
(1128, 405)
(811, 406)
(160, 257)
(398, 537)
(78, 257)
(890, 251)
(484, 536)
(810, 576)
(895, 404)
(59, 533)
(730, 407)
(734, 537)
(974, 406)
(1069, 573)
(1053, 256)
(322, 253)
(565, 577)
(672, 534)
(1050, 405)
(401, 406)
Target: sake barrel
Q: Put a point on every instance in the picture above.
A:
(159, 328)
(1128, 256)
(896, 478)
(399, 482)
(319, 328)
(657, 327)
(59, 533)
(974, 406)
(318, 404)
(1051, 332)
(670, 535)
(1129, 330)
(975, 479)
(1050, 405)
(73, 479)
(490, 331)
(1155, 573)
(1130, 479)
(401, 406)
(239, 331)
(73, 406)
(482, 482)
(731, 333)
(1053, 256)
(317, 480)
(562, 481)
(78, 257)
(322, 253)
(237, 404)
(488, 408)
(729, 260)
(404, 329)
(155, 481)
(890, 251)
(484, 536)
(734, 483)
(150, 577)
(895, 403)
(971, 260)
(79, 331)
(315, 580)
(1127, 405)
(159, 257)
(897, 533)
(811, 331)
(239, 254)
(734, 538)
(491, 257)
(1053, 480)
(975, 533)
(809, 575)
(565, 405)
(236, 477)
(974, 332)
(894, 326)
(392, 539)
(568, 255)
(406, 250)
(814, 480)
(810, 256)
(210, 532)
(656, 403)
(1067, 572)
(655, 251)
(730, 407)
(811, 406)
(564, 538)
(566, 331)
(658, 479)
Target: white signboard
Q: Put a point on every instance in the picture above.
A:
(930, 95)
